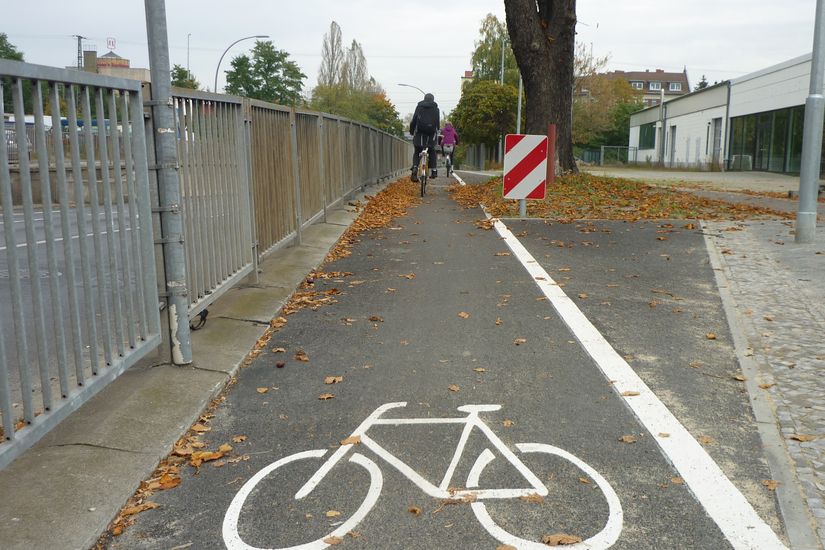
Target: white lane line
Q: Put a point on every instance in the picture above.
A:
(722, 501)
(458, 179)
(24, 245)
(490, 174)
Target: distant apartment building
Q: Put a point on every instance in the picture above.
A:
(111, 64)
(652, 84)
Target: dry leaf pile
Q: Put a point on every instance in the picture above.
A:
(585, 196)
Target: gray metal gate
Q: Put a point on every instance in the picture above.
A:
(77, 266)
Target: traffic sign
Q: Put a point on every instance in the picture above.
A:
(525, 166)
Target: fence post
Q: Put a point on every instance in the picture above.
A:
(166, 167)
(246, 151)
(296, 172)
(322, 171)
(601, 156)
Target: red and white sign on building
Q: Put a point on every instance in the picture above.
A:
(525, 166)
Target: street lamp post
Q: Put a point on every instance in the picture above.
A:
(218, 68)
(411, 86)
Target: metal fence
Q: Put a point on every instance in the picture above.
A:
(77, 269)
(81, 278)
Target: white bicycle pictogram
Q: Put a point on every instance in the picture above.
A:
(472, 494)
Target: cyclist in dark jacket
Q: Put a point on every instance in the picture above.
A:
(424, 127)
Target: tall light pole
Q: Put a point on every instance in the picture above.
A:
(188, 74)
(218, 68)
(812, 136)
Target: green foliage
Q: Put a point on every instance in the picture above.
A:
(268, 75)
(702, 83)
(486, 57)
(485, 111)
(183, 78)
(602, 109)
(9, 51)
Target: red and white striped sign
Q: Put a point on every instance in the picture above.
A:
(525, 166)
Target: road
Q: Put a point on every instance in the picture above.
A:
(600, 351)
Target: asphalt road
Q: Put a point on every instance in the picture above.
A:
(473, 327)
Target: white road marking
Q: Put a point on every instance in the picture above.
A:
(461, 181)
(58, 239)
(723, 502)
(603, 539)
(489, 174)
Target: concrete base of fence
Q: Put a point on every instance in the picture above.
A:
(70, 485)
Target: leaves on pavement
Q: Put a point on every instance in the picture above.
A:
(333, 379)
(560, 539)
(628, 439)
(453, 388)
(326, 396)
(352, 440)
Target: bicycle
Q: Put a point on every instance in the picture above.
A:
(423, 161)
(448, 155)
(472, 494)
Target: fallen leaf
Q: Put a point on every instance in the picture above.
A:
(376, 319)
(262, 390)
(408, 276)
(508, 423)
(628, 439)
(502, 253)
(332, 513)
(326, 396)
(583, 296)
(463, 314)
(453, 388)
(200, 457)
(766, 386)
(200, 428)
(710, 336)
(333, 541)
(533, 498)
(519, 341)
(239, 439)
(560, 539)
(301, 355)
(389, 289)
(169, 481)
(664, 434)
(771, 484)
(803, 437)
(352, 440)
(132, 510)
(480, 369)
(498, 321)
(661, 238)
(739, 377)
(414, 510)
(278, 350)
(225, 448)
(677, 481)
(630, 393)
(768, 317)
(584, 480)
(333, 379)
(505, 547)
(706, 440)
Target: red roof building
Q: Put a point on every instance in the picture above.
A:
(652, 84)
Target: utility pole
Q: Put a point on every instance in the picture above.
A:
(812, 136)
(501, 81)
(166, 165)
(188, 74)
(80, 40)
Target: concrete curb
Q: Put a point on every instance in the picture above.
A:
(68, 487)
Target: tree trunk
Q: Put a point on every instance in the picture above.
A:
(543, 35)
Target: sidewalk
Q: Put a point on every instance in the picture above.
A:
(776, 293)
(65, 490)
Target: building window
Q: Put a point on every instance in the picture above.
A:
(647, 136)
(675, 87)
(636, 85)
(656, 86)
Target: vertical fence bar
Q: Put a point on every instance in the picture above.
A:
(205, 189)
(123, 246)
(111, 250)
(233, 187)
(31, 247)
(246, 153)
(296, 172)
(85, 256)
(144, 210)
(5, 389)
(187, 202)
(322, 167)
(131, 120)
(68, 249)
(100, 264)
(51, 258)
(7, 203)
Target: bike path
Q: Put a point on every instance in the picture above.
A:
(508, 347)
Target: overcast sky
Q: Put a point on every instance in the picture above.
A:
(718, 38)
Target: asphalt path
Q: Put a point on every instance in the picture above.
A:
(439, 313)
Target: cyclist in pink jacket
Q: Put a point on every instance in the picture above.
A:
(449, 139)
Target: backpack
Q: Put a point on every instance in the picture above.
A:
(427, 121)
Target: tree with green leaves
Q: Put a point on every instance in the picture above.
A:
(183, 78)
(485, 111)
(9, 51)
(268, 75)
(486, 58)
(543, 35)
(332, 57)
(601, 110)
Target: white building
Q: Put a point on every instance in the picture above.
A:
(749, 123)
